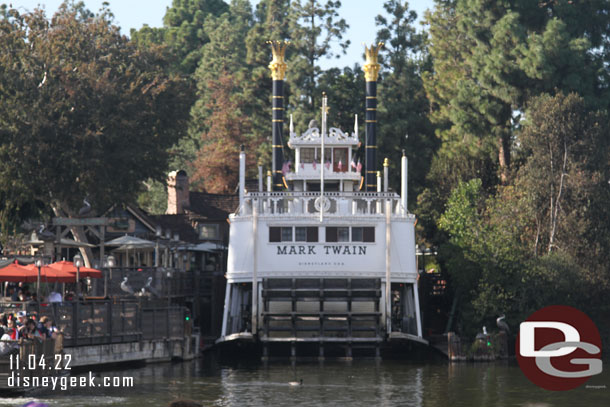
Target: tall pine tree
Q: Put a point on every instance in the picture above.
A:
(314, 25)
(491, 56)
(403, 111)
(182, 31)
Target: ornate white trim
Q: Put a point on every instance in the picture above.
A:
(348, 219)
(337, 134)
(322, 202)
(308, 174)
(312, 137)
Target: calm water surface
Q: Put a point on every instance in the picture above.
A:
(357, 383)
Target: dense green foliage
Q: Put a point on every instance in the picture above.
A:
(182, 31)
(492, 56)
(543, 239)
(519, 95)
(404, 107)
(83, 112)
(500, 105)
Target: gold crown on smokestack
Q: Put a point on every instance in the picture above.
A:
(278, 65)
(371, 67)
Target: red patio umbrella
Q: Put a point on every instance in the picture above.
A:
(17, 273)
(69, 267)
(51, 275)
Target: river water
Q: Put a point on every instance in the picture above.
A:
(355, 383)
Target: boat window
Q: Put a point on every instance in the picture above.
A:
(275, 234)
(300, 234)
(312, 234)
(368, 234)
(307, 155)
(327, 155)
(280, 234)
(340, 163)
(343, 234)
(337, 234)
(331, 234)
(306, 234)
(287, 234)
(356, 234)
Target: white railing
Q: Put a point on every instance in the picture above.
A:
(309, 203)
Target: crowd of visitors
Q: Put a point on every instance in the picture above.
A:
(20, 292)
(23, 326)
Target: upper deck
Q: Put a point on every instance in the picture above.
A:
(335, 205)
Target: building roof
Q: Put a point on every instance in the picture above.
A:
(212, 206)
(180, 224)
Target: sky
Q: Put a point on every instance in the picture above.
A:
(359, 14)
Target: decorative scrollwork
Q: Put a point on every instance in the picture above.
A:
(337, 134)
(313, 134)
(322, 202)
(310, 134)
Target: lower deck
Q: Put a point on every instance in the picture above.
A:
(321, 313)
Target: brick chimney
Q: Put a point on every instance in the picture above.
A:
(177, 192)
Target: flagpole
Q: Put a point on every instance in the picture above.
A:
(322, 135)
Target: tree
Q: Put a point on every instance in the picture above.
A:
(487, 261)
(565, 171)
(182, 31)
(17, 207)
(271, 23)
(403, 110)
(84, 112)
(345, 90)
(544, 238)
(313, 26)
(491, 56)
(216, 163)
(223, 55)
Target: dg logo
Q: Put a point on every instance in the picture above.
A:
(559, 348)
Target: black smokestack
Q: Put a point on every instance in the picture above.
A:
(277, 134)
(278, 72)
(371, 72)
(370, 145)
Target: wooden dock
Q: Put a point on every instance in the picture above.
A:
(98, 332)
(31, 359)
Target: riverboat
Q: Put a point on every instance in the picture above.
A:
(323, 261)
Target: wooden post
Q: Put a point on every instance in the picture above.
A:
(139, 318)
(123, 322)
(75, 322)
(109, 315)
(265, 351)
(168, 323)
(154, 318)
(102, 239)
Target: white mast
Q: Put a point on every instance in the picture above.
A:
(322, 136)
(291, 126)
